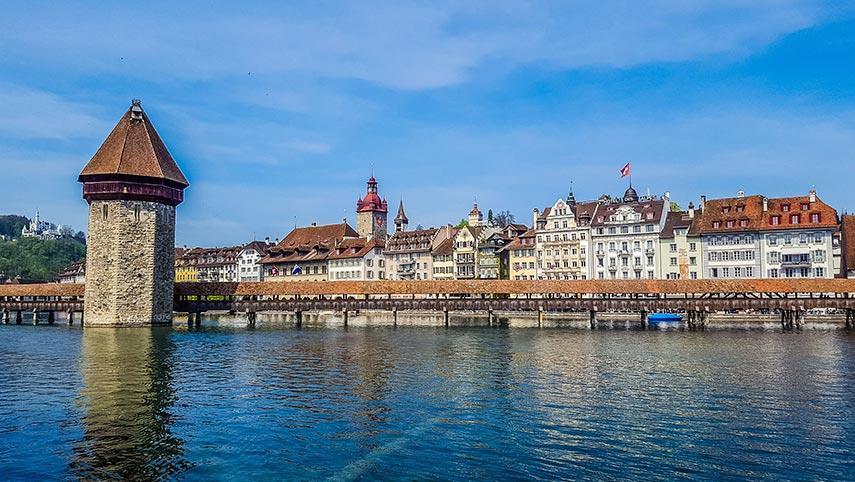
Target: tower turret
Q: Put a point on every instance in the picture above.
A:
(132, 185)
(475, 216)
(371, 212)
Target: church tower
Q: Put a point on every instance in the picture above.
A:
(401, 220)
(371, 213)
(132, 185)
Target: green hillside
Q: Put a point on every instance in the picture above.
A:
(39, 260)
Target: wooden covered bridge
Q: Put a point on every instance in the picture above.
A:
(696, 298)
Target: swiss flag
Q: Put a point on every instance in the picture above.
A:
(625, 170)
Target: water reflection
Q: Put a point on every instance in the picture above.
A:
(127, 395)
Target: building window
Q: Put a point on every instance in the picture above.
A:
(819, 272)
(693, 246)
(716, 224)
(794, 219)
(693, 275)
(776, 220)
(814, 218)
(673, 261)
(773, 273)
(785, 208)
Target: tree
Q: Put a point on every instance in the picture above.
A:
(463, 223)
(504, 218)
(675, 207)
(490, 216)
(11, 225)
(37, 259)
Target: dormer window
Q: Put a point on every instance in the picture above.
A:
(743, 223)
(814, 218)
(805, 206)
(794, 219)
(785, 208)
(730, 224)
(740, 208)
(725, 209)
(716, 224)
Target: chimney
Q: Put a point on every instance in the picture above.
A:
(740, 194)
(765, 204)
(812, 195)
(667, 195)
(535, 216)
(314, 223)
(267, 239)
(703, 202)
(691, 210)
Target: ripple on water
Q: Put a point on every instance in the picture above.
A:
(425, 403)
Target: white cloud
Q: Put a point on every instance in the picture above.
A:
(402, 45)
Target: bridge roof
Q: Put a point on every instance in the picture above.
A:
(582, 287)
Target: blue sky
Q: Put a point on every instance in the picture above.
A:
(277, 111)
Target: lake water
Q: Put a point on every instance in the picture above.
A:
(425, 403)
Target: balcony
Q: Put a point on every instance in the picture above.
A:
(650, 251)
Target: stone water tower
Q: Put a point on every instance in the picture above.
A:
(132, 185)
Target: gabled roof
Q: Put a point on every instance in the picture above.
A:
(354, 248)
(651, 211)
(134, 149)
(675, 220)
(446, 247)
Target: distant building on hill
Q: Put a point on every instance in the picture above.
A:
(41, 229)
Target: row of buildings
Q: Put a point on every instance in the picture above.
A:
(628, 237)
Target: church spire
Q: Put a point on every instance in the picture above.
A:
(401, 220)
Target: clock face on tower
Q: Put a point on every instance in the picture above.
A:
(379, 220)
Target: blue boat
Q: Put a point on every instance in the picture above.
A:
(664, 318)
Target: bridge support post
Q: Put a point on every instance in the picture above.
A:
(35, 317)
(445, 316)
(394, 316)
(298, 318)
(19, 317)
(644, 318)
(190, 319)
(81, 318)
(51, 317)
(593, 320)
(5, 317)
(70, 317)
(197, 320)
(848, 318)
(539, 316)
(344, 315)
(490, 316)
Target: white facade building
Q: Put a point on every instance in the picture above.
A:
(625, 236)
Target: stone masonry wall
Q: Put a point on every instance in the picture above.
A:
(130, 268)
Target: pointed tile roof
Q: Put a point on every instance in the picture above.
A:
(134, 149)
(401, 217)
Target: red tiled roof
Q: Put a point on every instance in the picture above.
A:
(311, 243)
(135, 149)
(740, 214)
